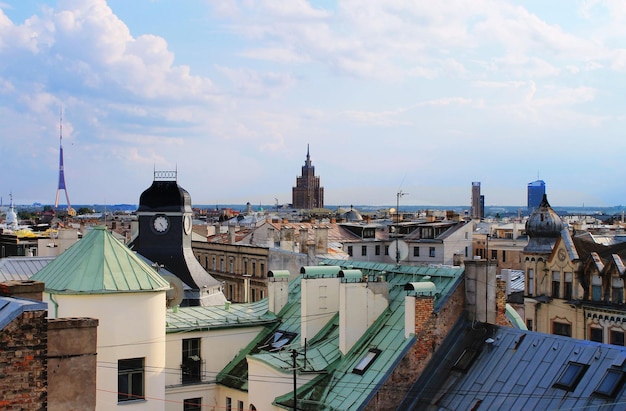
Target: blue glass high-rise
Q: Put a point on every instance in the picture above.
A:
(536, 190)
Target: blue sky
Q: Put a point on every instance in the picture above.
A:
(408, 95)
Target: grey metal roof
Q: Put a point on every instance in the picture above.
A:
(21, 268)
(517, 370)
(11, 308)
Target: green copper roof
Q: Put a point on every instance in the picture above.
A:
(338, 387)
(228, 315)
(99, 264)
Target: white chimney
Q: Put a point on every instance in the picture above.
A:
(360, 304)
(277, 290)
(320, 298)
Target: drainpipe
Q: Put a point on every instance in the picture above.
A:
(56, 306)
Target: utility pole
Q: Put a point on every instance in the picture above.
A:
(294, 355)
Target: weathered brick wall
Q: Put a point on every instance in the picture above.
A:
(431, 329)
(23, 355)
(501, 318)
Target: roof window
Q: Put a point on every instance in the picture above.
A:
(571, 376)
(366, 361)
(278, 340)
(611, 383)
(465, 360)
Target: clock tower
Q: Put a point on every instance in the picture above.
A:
(165, 222)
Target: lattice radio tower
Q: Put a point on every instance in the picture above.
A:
(61, 171)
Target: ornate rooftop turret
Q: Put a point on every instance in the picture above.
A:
(543, 228)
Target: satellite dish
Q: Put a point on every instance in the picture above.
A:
(401, 247)
(175, 294)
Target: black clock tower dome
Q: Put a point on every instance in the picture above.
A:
(165, 222)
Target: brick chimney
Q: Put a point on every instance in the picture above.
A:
(303, 238)
(232, 234)
(287, 238)
(321, 240)
(32, 290)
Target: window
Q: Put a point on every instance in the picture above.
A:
(529, 324)
(610, 384)
(239, 405)
(596, 334)
(416, 251)
(231, 266)
(350, 250)
(231, 292)
(556, 284)
(377, 250)
(571, 376)
(253, 295)
(531, 281)
(192, 404)
(229, 404)
(617, 295)
(192, 362)
(568, 287)
(504, 256)
(366, 361)
(561, 329)
(253, 268)
(617, 337)
(245, 267)
(130, 379)
(386, 250)
(596, 288)
(263, 269)
(466, 252)
(363, 250)
(494, 254)
(214, 263)
(221, 264)
(466, 359)
(278, 340)
(431, 251)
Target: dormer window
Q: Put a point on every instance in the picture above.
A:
(617, 288)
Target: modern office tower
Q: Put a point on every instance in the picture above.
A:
(478, 201)
(536, 190)
(307, 193)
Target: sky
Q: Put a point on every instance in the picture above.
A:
(396, 96)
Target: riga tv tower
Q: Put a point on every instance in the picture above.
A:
(61, 171)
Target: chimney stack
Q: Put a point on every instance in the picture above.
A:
(32, 290)
(277, 290)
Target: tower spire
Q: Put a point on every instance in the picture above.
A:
(62, 185)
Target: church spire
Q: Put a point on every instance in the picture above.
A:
(308, 157)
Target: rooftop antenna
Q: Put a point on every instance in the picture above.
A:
(62, 185)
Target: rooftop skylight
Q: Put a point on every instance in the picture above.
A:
(366, 361)
(571, 376)
(611, 383)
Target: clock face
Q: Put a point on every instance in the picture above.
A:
(161, 224)
(187, 223)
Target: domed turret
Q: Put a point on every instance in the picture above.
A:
(164, 196)
(543, 228)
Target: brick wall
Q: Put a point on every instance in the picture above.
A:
(501, 318)
(431, 329)
(23, 379)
